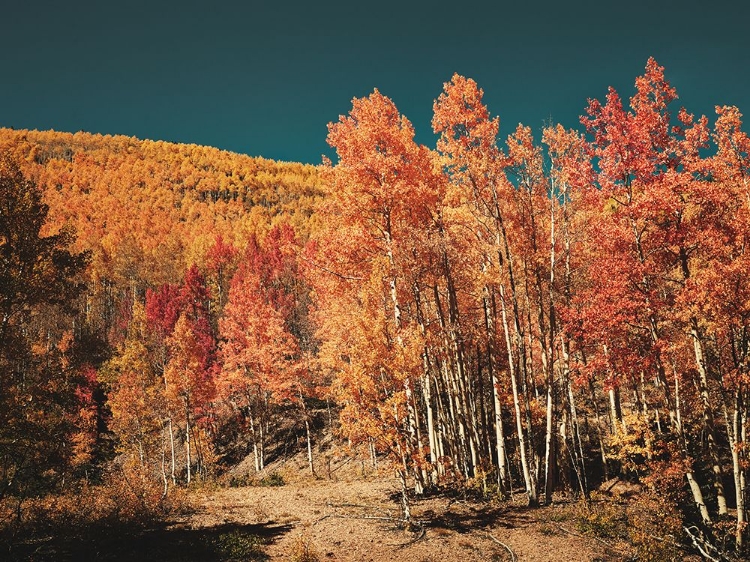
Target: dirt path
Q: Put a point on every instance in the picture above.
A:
(349, 521)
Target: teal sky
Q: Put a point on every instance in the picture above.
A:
(264, 78)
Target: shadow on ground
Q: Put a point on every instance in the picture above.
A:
(464, 514)
(471, 518)
(228, 542)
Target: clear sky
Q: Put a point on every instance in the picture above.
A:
(264, 78)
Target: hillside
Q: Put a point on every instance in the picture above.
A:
(149, 209)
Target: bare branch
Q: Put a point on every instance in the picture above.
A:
(513, 557)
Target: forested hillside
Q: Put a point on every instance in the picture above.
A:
(542, 314)
(119, 256)
(157, 204)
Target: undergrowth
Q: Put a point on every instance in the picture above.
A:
(651, 527)
(303, 550)
(123, 500)
(271, 480)
(238, 546)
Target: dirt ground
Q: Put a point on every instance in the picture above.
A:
(356, 520)
(350, 511)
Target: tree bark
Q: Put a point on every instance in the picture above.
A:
(528, 474)
(695, 488)
(708, 417)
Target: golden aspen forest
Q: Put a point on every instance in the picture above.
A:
(547, 325)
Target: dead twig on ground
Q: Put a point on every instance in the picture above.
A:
(373, 518)
(513, 557)
(379, 518)
(322, 518)
(703, 545)
(420, 524)
(455, 500)
(388, 518)
(348, 459)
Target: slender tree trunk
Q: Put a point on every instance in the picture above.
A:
(708, 417)
(411, 414)
(735, 445)
(405, 509)
(548, 442)
(485, 444)
(695, 488)
(468, 423)
(504, 257)
(427, 395)
(441, 430)
(502, 469)
(548, 360)
(174, 458)
(164, 462)
(458, 436)
(599, 433)
(309, 447)
(528, 476)
(187, 442)
(305, 416)
(262, 444)
(427, 389)
(578, 457)
(200, 467)
(256, 451)
(615, 411)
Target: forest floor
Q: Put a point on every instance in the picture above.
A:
(338, 520)
(348, 512)
(356, 520)
(352, 512)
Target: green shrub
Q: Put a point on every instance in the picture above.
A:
(273, 479)
(236, 545)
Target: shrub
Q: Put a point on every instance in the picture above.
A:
(303, 550)
(273, 479)
(236, 545)
(654, 528)
(601, 518)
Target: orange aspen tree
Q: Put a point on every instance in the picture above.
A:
(476, 170)
(383, 194)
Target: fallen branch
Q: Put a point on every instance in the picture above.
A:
(375, 518)
(455, 500)
(322, 518)
(505, 546)
(703, 545)
(388, 518)
(671, 540)
(383, 518)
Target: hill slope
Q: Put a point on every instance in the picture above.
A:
(147, 209)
